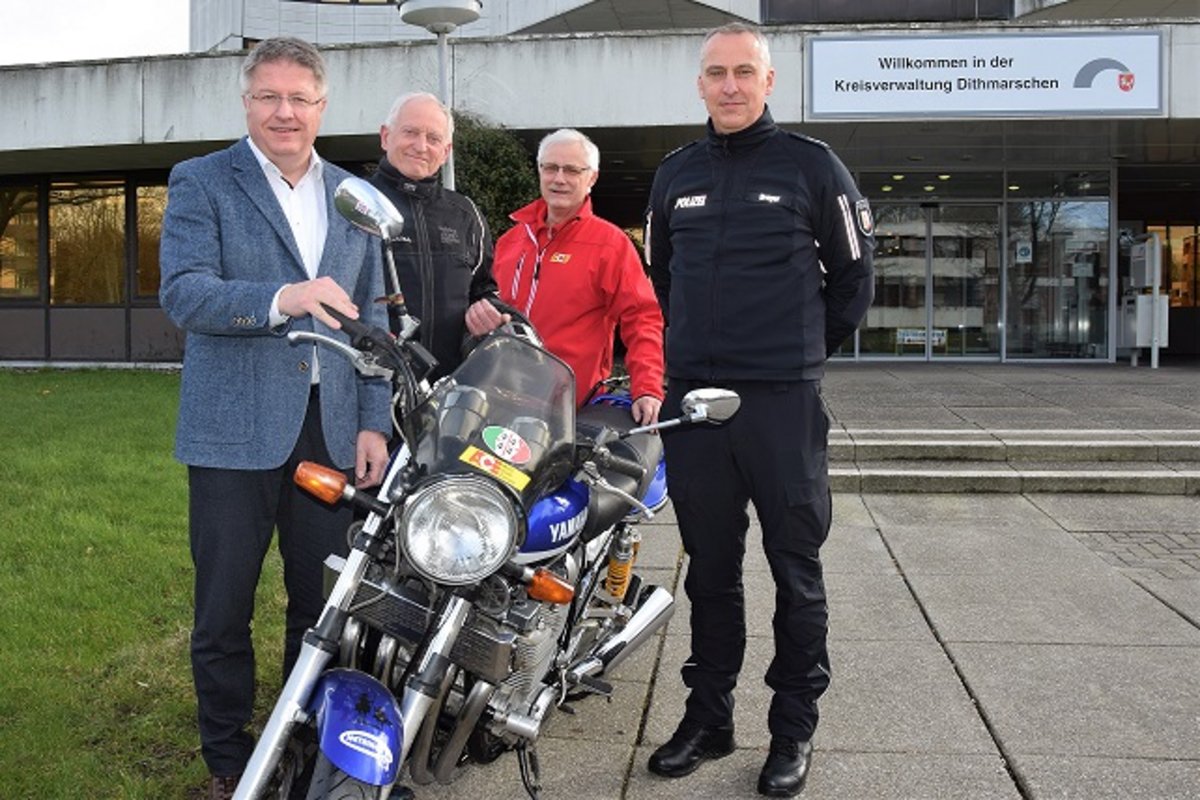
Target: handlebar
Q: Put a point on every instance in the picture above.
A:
(384, 347)
(625, 466)
(352, 327)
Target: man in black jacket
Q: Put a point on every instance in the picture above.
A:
(760, 250)
(445, 267)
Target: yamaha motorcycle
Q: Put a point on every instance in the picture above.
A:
(492, 578)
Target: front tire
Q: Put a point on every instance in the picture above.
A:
(330, 783)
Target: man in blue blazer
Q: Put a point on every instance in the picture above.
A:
(251, 247)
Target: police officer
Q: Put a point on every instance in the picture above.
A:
(760, 250)
(445, 267)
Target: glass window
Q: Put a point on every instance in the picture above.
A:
(19, 277)
(1058, 183)
(1179, 262)
(928, 186)
(151, 202)
(87, 243)
(1058, 279)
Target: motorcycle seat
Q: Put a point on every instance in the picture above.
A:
(605, 509)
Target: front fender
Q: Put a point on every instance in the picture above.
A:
(359, 727)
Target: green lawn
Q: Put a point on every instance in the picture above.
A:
(96, 587)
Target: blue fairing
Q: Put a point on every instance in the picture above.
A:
(554, 522)
(359, 727)
(656, 494)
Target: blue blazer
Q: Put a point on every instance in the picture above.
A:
(226, 249)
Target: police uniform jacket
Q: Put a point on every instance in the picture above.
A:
(760, 250)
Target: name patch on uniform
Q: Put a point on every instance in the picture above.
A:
(449, 235)
(694, 201)
(560, 258)
(862, 215)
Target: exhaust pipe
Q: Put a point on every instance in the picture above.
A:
(652, 613)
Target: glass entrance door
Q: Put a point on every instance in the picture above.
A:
(937, 282)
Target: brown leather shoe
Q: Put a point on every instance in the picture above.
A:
(221, 787)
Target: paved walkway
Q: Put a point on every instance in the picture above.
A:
(983, 645)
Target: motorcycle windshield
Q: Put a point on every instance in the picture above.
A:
(507, 411)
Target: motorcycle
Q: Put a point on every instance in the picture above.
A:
(492, 579)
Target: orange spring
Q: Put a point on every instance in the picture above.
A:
(617, 582)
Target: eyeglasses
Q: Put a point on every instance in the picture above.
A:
(434, 139)
(298, 102)
(570, 170)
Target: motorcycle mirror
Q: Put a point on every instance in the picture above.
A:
(368, 209)
(710, 405)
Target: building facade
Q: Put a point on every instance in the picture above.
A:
(1012, 151)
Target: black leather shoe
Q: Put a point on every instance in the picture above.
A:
(786, 768)
(691, 745)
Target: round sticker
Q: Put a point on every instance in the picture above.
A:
(507, 444)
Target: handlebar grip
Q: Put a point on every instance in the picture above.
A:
(625, 466)
(353, 328)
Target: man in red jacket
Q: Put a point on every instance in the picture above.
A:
(577, 277)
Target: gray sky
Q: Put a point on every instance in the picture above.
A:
(35, 31)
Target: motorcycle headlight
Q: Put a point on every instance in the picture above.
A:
(459, 529)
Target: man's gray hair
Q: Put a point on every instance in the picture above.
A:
(407, 98)
(734, 28)
(571, 136)
(284, 48)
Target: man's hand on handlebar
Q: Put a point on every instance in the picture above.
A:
(645, 410)
(483, 317)
(306, 297)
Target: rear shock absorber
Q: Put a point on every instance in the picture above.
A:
(622, 555)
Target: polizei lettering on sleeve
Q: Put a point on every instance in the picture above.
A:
(694, 201)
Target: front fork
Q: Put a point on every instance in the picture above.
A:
(424, 686)
(317, 649)
(320, 644)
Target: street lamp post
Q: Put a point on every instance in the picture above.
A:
(441, 17)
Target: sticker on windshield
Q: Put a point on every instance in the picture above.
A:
(507, 444)
(495, 467)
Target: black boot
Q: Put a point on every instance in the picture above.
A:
(786, 768)
(691, 744)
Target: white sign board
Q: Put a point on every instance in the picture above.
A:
(986, 75)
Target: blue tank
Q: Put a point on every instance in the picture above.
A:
(555, 522)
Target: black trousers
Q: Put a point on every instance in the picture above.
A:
(232, 515)
(772, 453)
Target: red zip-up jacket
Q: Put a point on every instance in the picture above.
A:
(576, 283)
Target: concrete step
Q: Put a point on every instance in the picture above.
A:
(898, 476)
(1015, 446)
(1018, 461)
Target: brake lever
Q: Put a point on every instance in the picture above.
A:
(590, 475)
(365, 363)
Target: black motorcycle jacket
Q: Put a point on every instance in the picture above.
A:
(760, 250)
(445, 265)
